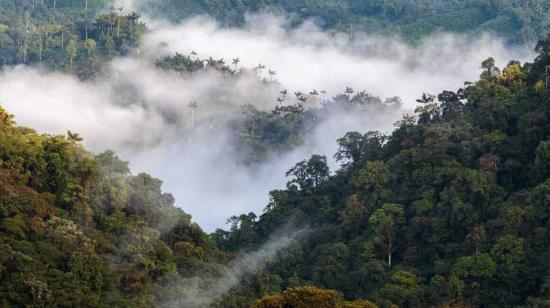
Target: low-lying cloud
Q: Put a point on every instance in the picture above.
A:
(143, 112)
(195, 295)
(307, 57)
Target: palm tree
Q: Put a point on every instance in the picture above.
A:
(426, 98)
(74, 137)
(271, 74)
(348, 92)
(236, 62)
(193, 106)
(324, 93)
(546, 70)
(211, 62)
(259, 68)
(5, 118)
(133, 17)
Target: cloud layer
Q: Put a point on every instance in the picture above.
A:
(143, 113)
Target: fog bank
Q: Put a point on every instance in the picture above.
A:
(143, 113)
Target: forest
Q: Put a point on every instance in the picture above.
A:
(451, 208)
(80, 36)
(516, 20)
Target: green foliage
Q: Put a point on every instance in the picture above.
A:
(517, 21)
(449, 210)
(309, 296)
(75, 36)
(78, 230)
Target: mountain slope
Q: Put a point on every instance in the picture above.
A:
(77, 230)
(452, 208)
(516, 21)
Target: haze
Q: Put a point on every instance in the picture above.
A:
(142, 113)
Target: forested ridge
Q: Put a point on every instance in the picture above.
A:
(77, 230)
(450, 209)
(80, 36)
(76, 36)
(516, 21)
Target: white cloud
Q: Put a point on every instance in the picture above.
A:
(142, 112)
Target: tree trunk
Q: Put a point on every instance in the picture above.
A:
(389, 255)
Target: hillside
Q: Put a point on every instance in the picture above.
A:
(452, 208)
(516, 21)
(76, 36)
(449, 209)
(80, 36)
(77, 230)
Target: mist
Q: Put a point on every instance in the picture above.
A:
(143, 113)
(193, 294)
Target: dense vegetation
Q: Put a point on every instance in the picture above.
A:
(261, 133)
(77, 230)
(307, 296)
(80, 36)
(69, 35)
(452, 208)
(517, 20)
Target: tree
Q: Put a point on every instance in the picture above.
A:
(470, 274)
(90, 46)
(372, 180)
(71, 50)
(355, 147)
(491, 72)
(542, 160)
(75, 137)
(110, 44)
(193, 106)
(509, 257)
(5, 118)
(404, 289)
(386, 222)
(309, 296)
(310, 173)
(354, 216)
